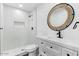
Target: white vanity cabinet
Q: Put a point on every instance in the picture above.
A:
(50, 51)
(69, 52)
(47, 48)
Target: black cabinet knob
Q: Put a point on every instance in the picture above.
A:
(32, 28)
(44, 52)
(41, 42)
(68, 54)
(51, 47)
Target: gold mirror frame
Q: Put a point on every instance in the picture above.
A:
(69, 19)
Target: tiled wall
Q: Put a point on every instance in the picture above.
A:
(16, 32)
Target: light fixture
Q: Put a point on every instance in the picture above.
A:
(20, 5)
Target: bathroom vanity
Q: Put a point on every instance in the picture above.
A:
(49, 47)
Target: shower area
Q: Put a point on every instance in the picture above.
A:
(17, 29)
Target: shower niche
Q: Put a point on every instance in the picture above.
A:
(60, 17)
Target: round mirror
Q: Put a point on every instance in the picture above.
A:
(60, 16)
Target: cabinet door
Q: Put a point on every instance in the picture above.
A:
(47, 52)
(50, 52)
(53, 46)
(49, 49)
(68, 52)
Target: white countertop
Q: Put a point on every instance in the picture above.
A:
(63, 42)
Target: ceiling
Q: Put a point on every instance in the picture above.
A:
(25, 6)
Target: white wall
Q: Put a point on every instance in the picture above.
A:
(69, 34)
(0, 14)
(0, 23)
(0, 26)
(15, 35)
